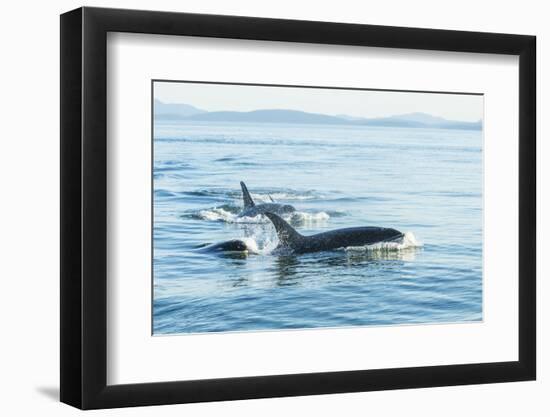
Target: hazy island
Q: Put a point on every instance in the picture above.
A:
(186, 112)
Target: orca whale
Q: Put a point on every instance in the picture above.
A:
(290, 239)
(252, 209)
(234, 245)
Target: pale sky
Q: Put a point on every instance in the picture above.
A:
(361, 103)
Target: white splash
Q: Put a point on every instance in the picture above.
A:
(216, 215)
(259, 246)
(219, 214)
(303, 217)
(408, 241)
(251, 244)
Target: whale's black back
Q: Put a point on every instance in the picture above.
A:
(353, 236)
(334, 239)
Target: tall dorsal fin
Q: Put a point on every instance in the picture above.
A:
(247, 198)
(287, 235)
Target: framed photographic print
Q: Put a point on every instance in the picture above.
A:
(257, 207)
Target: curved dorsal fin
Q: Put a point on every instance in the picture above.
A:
(287, 235)
(247, 198)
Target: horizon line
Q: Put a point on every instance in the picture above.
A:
(342, 116)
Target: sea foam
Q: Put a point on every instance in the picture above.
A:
(408, 241)
(219, 214)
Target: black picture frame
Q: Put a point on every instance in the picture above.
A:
(84, 207)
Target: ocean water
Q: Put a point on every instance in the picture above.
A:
(425, 182)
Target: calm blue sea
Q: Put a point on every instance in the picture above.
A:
(427, 182)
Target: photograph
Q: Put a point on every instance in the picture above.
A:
(299, 207)
(333, 205)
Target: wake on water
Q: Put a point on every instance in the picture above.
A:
(220, 214)
(229, 213)
(408, 241)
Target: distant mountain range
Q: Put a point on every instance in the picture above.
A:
(175, 111)
(164, 111)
